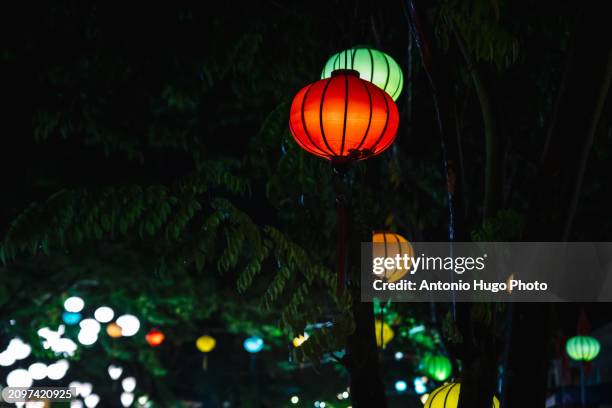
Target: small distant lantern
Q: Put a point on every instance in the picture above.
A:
(253, 344)
(205, 344)
(373, 66)
(113, 330)
(438, 368)
(71, 318)
(299, 340)
(389, 245)
(155, 337)
(383, 332)
(447, 396)
(582, 348)
(401, 386)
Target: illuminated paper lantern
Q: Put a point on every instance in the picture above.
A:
(389, 245)
(447, 396)
(343, 118)
(438, 368)
(582, 348)
(373, 66)
(384, 336)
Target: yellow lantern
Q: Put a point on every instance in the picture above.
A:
(383, 334)
(447, 396)
(206, 344)
(299, 340)
(390, 245)
(113, 330)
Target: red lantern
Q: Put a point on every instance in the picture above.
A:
(155, 338)
(343, 118)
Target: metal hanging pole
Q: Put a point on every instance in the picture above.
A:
(582, 388)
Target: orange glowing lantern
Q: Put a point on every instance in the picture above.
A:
(113, 330)
(155, 337)
(390, 245)
(343, 118)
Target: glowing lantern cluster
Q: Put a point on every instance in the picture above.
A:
(390, 245)
(373, 65)
(438, 368)
(383, 332)
(343, 118)
(447, 396)
(582, 348)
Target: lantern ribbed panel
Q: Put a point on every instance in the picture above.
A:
(383, 332)
(373, 66)
(447, 396)
(343, 118)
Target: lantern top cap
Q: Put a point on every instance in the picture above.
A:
(350, 72)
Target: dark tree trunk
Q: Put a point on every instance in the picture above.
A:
(478, 351)
(367, 388)
(479, 354)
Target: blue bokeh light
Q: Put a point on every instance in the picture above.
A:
(253, 344)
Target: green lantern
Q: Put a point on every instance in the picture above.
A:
(447, 396)
(438, 368)
(373, 65)
(582, 348)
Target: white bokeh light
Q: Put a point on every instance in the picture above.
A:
(114, 372)
(104, 314)
(38, 371)
(128, 384)
(90, 325)
(92, 400)
(74, 304)
(129, 325)
(76, 404)
(6, 359)
(82, 389)
(18, 349)
(19, 378)
(127, 398)
(58, 370)
(65, 346)
(87, 338)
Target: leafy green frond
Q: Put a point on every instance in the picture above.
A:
(72, 217)
(478, 22)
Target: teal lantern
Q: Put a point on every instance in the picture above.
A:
(253, 344)
(373, 65)
(71, 318)
(439, 367)
(582, 348)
